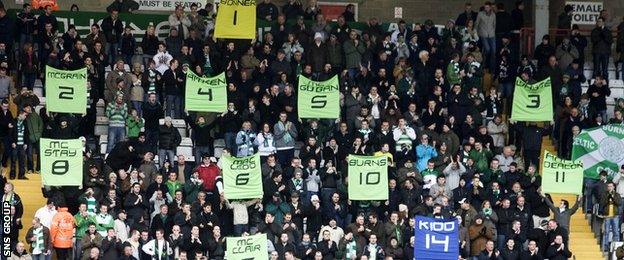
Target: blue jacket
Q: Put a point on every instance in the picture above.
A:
(423, 154)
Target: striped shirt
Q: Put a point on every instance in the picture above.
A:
(20, 132)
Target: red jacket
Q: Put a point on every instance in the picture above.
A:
(209, 175)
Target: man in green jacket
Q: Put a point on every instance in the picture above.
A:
(353, 49)
(83, 220)
(35, 129)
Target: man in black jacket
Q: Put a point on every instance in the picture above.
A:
(168, 140)
(532, 142)
(202, 136)
(152, 113)
(6, 126)
(111, 245)
(112, 28)
(601, 47)
(19, 144)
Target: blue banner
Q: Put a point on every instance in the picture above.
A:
(436, 239)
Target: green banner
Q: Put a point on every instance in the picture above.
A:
(600, 149)
(532, 102)
(247, 248)
(66, 90)
(61, 162)
(368, 177)
(205, 94)
(242, 177)
(318, 99)
(561, 176)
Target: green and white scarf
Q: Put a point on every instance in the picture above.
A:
(39, 246)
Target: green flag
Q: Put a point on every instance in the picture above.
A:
(532, 102)
(242, 177)
(600, 149)
(368, 177)
(61, 162)
(66, 90)
(247, 248)
(561, 176)
(318, 99)
(205, 94)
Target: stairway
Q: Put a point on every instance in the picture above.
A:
(32, 198)
(583, 244)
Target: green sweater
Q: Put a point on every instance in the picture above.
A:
(173, 186)
(134, 126)
(116, 115)
(82, 224)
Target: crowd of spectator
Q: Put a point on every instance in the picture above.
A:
(416, 95)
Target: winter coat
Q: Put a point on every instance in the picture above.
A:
(353, 53)
(169, 137)
(601, 40)
(479, 235)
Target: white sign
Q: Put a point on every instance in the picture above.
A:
(168, 5)
(398, 12)
(585, 13)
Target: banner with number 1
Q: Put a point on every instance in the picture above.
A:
(236, 19)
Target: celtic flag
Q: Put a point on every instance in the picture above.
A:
(532, 102)
(560, 175)
(600, 148)
(318, 99)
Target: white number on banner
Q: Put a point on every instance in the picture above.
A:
(431, 240)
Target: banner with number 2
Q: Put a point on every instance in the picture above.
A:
(66, 90)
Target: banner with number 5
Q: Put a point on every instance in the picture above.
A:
(66, 90)
(61, 162)
(318, 99)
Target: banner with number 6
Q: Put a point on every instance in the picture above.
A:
(368, 177)
(66, 90)
(561, 176)
(532, 102)
(205, 94)
(61, 162)
(242, 177)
